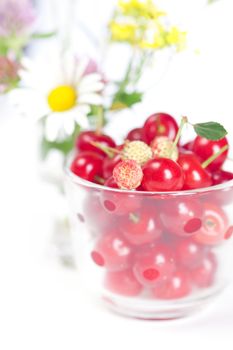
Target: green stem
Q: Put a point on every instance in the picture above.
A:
(184, 121)
(207, 162)
(125, 81)
(99, 120)
(139, 68)
(108, 150)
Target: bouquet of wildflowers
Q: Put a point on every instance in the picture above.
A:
(73, 90)
(145, 29)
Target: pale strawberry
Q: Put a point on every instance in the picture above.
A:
(138, 151)
(163, 147)
(128, 174)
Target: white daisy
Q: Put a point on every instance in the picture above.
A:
(59, 88)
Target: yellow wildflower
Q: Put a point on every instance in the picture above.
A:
(158, 43)
(126, 6)
(139, 8)
(155, 37)
(138, 22)
(177, 38)
(123, 32)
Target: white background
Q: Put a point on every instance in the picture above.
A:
(42, 304)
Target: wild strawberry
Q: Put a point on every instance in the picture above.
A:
(138, 151)
(128, 174)
(163, 147)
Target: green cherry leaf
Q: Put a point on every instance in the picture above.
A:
(211, 130)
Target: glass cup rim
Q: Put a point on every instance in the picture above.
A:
(80, 181)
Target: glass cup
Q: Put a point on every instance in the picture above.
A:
(152, 255)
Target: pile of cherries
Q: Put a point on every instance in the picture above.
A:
(155, 245)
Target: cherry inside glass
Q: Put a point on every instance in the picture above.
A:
(152, 255)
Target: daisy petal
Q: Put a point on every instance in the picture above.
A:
(93, 87)
(69, 125)
(82, 108)
(53, 126)
(91, 79)
(25, 101)
(81, 118)
(91, 98)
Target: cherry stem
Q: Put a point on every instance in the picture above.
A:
(134, 218)
(108, 150)
(184, 121)
(99, 179)
(100, 120)
(208, 161)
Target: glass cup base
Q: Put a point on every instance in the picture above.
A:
(159, 310)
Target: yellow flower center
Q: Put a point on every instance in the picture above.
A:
(62, 98)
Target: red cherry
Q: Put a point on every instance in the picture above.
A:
(112, 251)
(109, 164)
(95, 216)
(135, 135)
(175, 287)
(139, 188)
(194, 175)
(142, 226)
(182, 217)
(228, 233)
(188, 146)
(120, 147)
(162, 174)
(203, 276)
(206, 148)
(87, 165)
(153, 265)
(220, 197)
(189, 253)
(123, 283)
(214, 225)
(118, 203)
(83, 142)
(110, 182)
(221, 176)
(159, 124)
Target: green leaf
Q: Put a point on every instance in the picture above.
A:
(43, 35)
(94, 110)
(64, 146)
(124, 99)
(211, 130)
